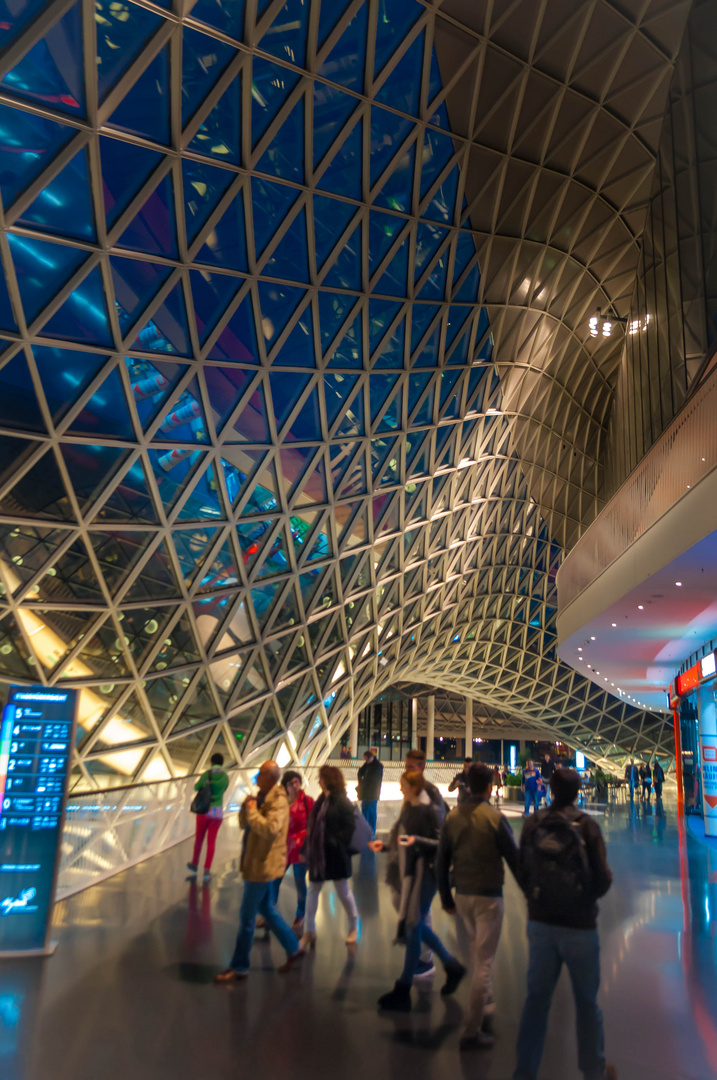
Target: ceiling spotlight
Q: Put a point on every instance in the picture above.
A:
(640, 607)
(613, 624)
(592, 637)
(678, 584)
(603, 323)
(580, 648)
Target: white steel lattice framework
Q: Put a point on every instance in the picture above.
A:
(294, 394)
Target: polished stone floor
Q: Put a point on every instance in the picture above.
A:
(128, 994)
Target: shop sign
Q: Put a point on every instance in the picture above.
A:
(688, 680)
(708, 666)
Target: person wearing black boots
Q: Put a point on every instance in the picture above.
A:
(413, 845)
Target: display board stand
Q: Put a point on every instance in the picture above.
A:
(37, 734)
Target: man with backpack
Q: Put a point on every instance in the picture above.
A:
(563, 872)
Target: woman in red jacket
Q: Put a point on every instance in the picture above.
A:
(300, 805)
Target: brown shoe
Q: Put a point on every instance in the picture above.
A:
(290, 961)
(610, 1072)
(260, 923)
(230, 976)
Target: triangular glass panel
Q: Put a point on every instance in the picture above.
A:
(332, 108)
(286, 36)
(253, 536)
(393, 279)
(154, 229)
(345, 271)
(226, 244)
(337, 389)
(428, 240)
(144, 109)
(278, 303)
(298, 349)
(457, 317)
(345, 63)
(271, 203)
(29, 145)
(19, 407)
(204, 59)
(15, 20)
(271, 86)
(71, 577)
(101, 653)
(381, 313)
(143, 629)
(51, 72)
(192, 547)
(225, 674)
(164, 694)
(395, 21)
(131, 500)
(172, 470)
(204, 186)
(121, 35)
(328, 17)
(286, 389)
(442, 205)
(352, 424)
(117, 552)
(83, 316)
(343, 175)
(106, 411)
(333, 311)
(307, 423)
(262, 600)
(64, 207)
(168, 330)
(381, 387)
(224, 15)
(402, 87)
(237, 342)
(198, 707)
(269, 728)
(128, 724)
(152, 382)
(437, 152)
(204, 501)
(397, 189)
(421, 317)
(388, 132)
(136, 283)
(284, 156)
(251, 424)
(185, 420)
(211, 296)
(331, 216)
(92, 468)
(468, 289)
(226, 387)
(125, 168)
(276, 560)
(219, 135)
(42, 269)
(290, 258)
(382, 231)
(223, 573)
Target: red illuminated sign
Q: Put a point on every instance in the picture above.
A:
(688, 680)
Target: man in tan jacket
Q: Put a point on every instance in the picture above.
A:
(266, 820)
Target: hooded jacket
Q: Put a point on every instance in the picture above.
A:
(264, 854)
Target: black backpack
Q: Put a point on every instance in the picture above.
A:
(556, 870)
(202, 801)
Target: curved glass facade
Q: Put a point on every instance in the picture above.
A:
(253, 461)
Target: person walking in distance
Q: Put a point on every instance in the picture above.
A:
(263, 860)
(412, 845)
(529, 787)
(328, 841)
(209, 824)
(475, 841)
(632, 775)
(370, 778)
(658, 777)
(646, 781)
(547, 768)
(460, 781)
(563, 872)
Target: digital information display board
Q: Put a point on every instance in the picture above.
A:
(36, 737)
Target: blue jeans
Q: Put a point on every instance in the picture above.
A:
(550, 948)
(421, 934)
(531, 796)
(258, 899)
(299, 869)
(369, 809)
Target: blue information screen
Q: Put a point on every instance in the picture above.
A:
(36, 738)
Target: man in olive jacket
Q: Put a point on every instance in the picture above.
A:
(475, 840)
(266, 820)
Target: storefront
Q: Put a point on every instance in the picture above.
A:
(695, 714)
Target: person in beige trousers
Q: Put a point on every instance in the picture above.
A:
(475, 841)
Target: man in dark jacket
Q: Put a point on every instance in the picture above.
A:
(563, 871)
(632, 775)
(547, 768)
(370, 778)
(658, 776)
(460, 781)
(475, 840)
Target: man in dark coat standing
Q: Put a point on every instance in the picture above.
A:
(370, 778)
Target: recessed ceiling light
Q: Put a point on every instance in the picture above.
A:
(640, 607)
(678, 584)
(580, 648)
(613, 624)
(592, 637)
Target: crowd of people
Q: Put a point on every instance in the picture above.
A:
(459, 854)
(640, 778)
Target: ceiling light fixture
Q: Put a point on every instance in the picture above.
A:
(678, 584)
(603, 323)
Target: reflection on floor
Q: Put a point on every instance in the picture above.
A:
(128, 993)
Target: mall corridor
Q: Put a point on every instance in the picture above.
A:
(129, 991)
